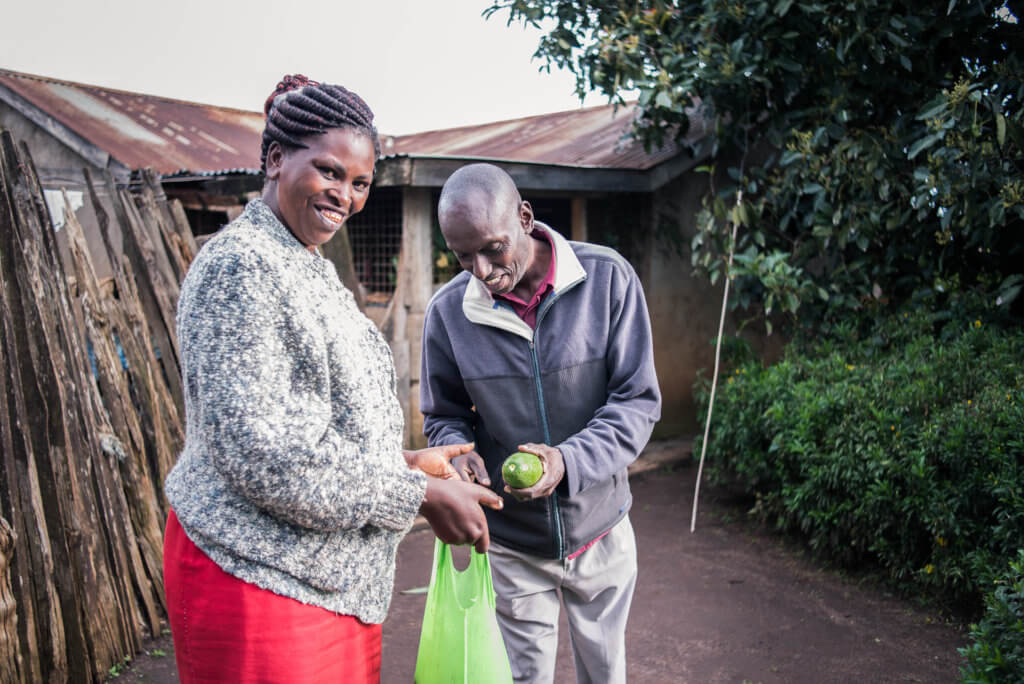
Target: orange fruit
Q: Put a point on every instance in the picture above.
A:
(522, 470)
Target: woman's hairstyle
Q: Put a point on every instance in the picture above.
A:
(300, 107)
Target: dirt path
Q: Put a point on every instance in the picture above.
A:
(726, 604)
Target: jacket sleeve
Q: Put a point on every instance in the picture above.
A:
(448, 416)
(621, 427)
(258, 385)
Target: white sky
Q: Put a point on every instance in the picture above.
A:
(419, 64)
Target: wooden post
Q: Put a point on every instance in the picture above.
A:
(579, 219)
(418, 271)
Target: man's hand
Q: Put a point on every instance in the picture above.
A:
(453, 509)
(554, 471)
(470, 467)
(436, 461)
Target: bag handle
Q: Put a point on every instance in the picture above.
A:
(471, 584)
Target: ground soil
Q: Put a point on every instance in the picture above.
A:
(728, 603)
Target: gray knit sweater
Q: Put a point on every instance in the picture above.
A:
(292, 477)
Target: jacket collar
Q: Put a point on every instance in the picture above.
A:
(480, 306)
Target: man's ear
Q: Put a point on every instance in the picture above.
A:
(526, 216)
(275, 157)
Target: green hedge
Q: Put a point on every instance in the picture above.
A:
(997, 654)
(899, 446)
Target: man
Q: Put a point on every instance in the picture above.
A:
(543, 345)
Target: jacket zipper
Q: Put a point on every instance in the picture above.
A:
(555, 512)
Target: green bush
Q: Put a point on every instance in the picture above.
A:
(997, 654)
(898, 445)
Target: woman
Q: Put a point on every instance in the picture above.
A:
(293, 489)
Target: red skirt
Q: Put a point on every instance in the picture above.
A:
(228, 630)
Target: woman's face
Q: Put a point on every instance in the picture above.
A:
(315, 189)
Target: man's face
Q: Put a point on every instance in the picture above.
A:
(491, 242)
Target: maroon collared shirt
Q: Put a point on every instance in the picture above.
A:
(528, 310)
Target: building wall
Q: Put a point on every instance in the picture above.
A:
(685, 308)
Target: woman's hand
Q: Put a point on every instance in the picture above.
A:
(436, 461)
(554, 470)
(452, 507)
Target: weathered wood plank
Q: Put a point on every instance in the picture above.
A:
(164, 240)
(27, 417)
(189, 248)
(11, 663)
(158, 308)
(92, 621)
(174, 226)
(159, 418)
(132, 516)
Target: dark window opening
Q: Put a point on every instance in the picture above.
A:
(620, 221)
(556, 212)
(205, 222)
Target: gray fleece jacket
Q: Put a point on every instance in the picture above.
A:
(292, 477)
(582, 380)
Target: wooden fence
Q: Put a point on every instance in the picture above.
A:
(91, 420)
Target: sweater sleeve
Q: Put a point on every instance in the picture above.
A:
(258, 384)
(621, 427)
(448, 416)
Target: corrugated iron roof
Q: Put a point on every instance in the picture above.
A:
(187, 138)
(146, 130)
(593, 137)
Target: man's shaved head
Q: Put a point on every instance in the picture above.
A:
(479, 190)
(488, 227)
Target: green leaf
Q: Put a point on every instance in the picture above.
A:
(789, 65)
(936, 107)
(1000, 130)
(663, 99)
(782, 7)
(1008, 295)
(924, 143)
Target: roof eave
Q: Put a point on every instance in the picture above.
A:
(433, 170)
(91, 153)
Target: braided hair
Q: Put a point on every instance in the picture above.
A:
(301, 107)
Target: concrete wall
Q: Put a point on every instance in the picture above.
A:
(685, 309)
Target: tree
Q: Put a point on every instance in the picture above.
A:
(880, 142)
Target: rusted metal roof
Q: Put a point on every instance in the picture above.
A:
(186, 138)
(593, 137)
(145, 130)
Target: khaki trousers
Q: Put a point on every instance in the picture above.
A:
(596, 589)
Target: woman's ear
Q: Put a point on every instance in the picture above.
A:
(275, 157)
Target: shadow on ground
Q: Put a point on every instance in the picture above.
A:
(724, 604)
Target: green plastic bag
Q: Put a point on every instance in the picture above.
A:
(460, 642)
